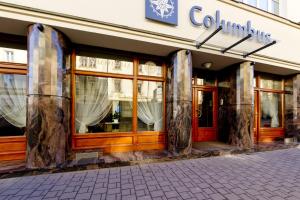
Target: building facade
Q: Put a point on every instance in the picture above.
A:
(150, 75)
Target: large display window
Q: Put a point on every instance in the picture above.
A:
(118, 101)
(103, 105)
(269, 107)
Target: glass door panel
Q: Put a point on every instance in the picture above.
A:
(205, 115)
(205, 109)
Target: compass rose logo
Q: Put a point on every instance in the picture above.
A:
(162, 10)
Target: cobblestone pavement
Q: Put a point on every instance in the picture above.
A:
(270, 175)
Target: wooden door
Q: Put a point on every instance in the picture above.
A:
(205, 114)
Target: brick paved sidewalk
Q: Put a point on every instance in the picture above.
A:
(269, 175)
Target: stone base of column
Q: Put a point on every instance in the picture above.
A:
(179, 127)
(48, 130)
(241, 126)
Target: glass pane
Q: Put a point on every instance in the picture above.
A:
(275, 7)
(289, 111)
(149, 68)
(13, 55)
(205, 109)
(271, 112)
(252, 2)
(12, 104)
(288, 85)
(105, 63)
(205, 77)
(263, 4)
(103, 105)
(206, 81)
(150, 106)
(269, 83)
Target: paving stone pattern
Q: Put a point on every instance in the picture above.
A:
(270, 175)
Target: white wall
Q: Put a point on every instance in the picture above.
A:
(292, 10)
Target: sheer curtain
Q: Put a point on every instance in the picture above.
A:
(274, 110)
(92, 103)
(149, 106)
(151, 114)
(270, 105)
(13, 99)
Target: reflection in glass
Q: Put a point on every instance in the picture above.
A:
(275, 6)
(252, 2)
(101, 107)
(205, 109)
(288, 85)
(271, 111)
(13, 55)
(149, 68)
(108, 64)
(204, 77)
(205, 81)
(150, 106)
(263, 4)
(12, 104)
(271, 84)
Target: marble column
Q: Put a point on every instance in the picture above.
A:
(236, 112)
(179, 103)
(48, 101)
(292, 107)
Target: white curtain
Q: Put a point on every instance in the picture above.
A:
(274, 110)
(150, 113)
(92, 103)
(270, 107)
(13, 99)
(150, 109)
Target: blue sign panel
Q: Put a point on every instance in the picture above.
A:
(165, 11)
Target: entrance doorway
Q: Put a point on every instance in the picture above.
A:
(205, 114)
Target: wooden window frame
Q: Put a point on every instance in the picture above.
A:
(110, 142)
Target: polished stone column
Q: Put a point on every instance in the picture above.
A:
(292, 107)
(236, 112)
(179, 103)
(48, 102)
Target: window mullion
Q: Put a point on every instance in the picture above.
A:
(135, 96)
